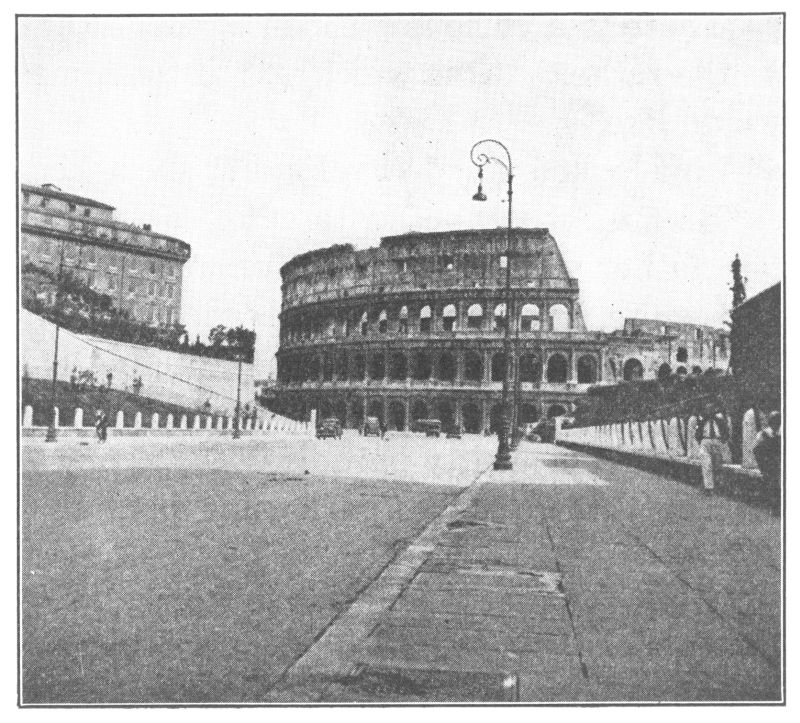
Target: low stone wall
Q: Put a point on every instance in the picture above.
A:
(202, 424)
(668, 443)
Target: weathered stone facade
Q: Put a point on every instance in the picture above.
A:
(413, 329)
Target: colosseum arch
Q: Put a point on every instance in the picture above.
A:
(500, 317)
(557, 369)
(375, 409)
(498, 366)
(529, 318)
(587, 369)
(475, 316)
(312, 368)
(419, 410)
(398, 366)
(341, 366)
(471, 418)
(556, 410)
(449, 317)
(403, 320)
(447, 367)
(383, 322)
(359, 367)
(473, 367)
(364, 324)
(527, 414)
(530, 369)
(632, 370)
(377, 366)
(397, 415)
(327, 366)
(357, 411)
(446, 414)
(664, 372)
(425, 320)
(681, 371)
(559, 318)
(423, 367)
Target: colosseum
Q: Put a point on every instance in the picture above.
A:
(413, 329)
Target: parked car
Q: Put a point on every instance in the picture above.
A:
(431, 427)
(372, 427)
(330, 427)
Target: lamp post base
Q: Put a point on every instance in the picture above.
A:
(51, 434)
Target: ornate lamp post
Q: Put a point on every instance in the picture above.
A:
(502, 459)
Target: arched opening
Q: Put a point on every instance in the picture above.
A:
(398, 368)
(682, 355)
(529, 318)
(403, 320)
(425, 320)
(340, 412)
(664, 372)
(447, 367)
(495, 418)
(449, 317)
(475, 316)
(359, 368)
(446, 414)
(327, 367)
(500, 317)
(680, 371)
(473, 367)
(471, 418)
(312, 368)
(341, 365)
(383, 322)
(559, 318)
(587, 370)
(419, 410)
(530, 369)
(498, 367)
(556, 410)
(557, 369)
(364, 324)
(397, 415)
(377, 366)
(527, 414)
(357, 411)
(422, 366)
(632, 370)
(375, 409)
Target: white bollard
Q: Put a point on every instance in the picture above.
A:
(749, 432)
(170, 421)
(27, 416)
(120, 420)
(56, 416)
(196, 424)
(137, 422)
(184, 422)
(154, 421)
(694, 447)
(78, 417)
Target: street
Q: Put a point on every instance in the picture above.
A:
(275, 569)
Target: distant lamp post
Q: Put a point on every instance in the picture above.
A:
(51, 429)
(237, 432)
(109, 378)
(502, 459)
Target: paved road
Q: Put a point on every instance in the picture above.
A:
(394, 570)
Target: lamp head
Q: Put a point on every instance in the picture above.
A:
(480, 195)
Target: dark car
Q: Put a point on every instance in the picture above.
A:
(330, 427)
(431, 427)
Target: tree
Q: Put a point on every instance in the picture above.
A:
(217, 336)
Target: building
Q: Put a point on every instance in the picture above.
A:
(414, 329)
(140, 270)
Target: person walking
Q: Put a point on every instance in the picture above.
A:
(101, 425)
(767, 451)
(712, 435)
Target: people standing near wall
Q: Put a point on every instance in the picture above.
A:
(101, 425)
(712, 435)
(767, 451)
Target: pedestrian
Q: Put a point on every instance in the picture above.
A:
(101, 425)
(767, 451)
(382, 425)
(712, 435)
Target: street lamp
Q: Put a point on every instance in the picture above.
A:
(236, 431)
(51, 429)
(502, 459)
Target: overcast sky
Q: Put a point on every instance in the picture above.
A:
(650, 147)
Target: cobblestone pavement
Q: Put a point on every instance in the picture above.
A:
(567, 579)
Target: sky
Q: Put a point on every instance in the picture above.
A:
(651, 147)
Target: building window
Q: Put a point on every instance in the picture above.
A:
(153, 267)
(425, 320)
(475, 316)
(170, 291)
(364, 324)
(404, 320)
(43, 203)
(87, 212)
(91, 279)
(449, 317)
(169, 316)
(132, 286)
(383, 322)
(682, 355)
(72, 208)
(26, 198)
(402, 265)
(152, 289)
(112, 282)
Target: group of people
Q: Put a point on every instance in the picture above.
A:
(713, 436)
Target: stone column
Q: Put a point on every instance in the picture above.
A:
(487, 367)
(573, 366)
(184, 422)
(170, 421)
(460, 367)
(407, 413)
(484, 415)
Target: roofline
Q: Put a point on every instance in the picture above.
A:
(52, 193)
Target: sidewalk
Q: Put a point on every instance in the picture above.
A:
(569, 579)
